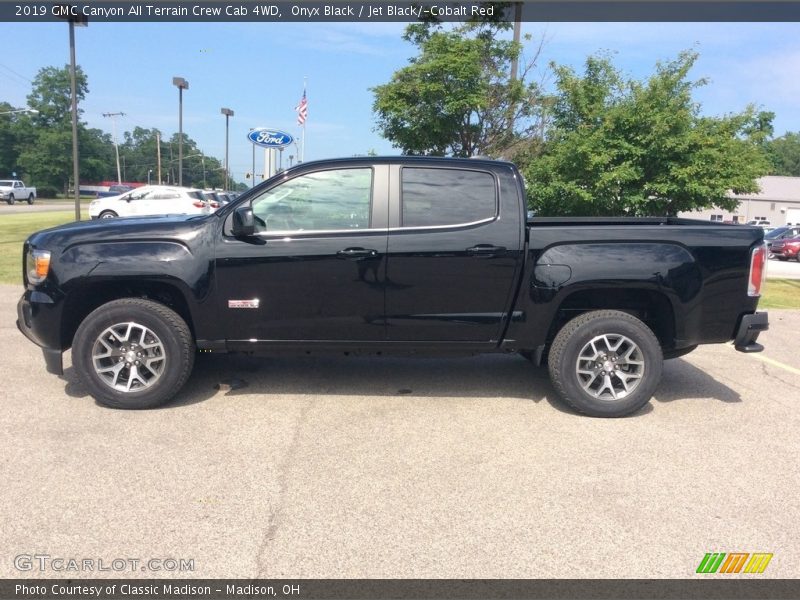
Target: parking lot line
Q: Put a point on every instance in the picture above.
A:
(774, 363)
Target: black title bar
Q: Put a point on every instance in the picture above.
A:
(342, 11)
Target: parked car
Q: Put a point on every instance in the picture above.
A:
(403, 254)
(212, 198)
(780, 233)
(787, 248)
(12, 190)
(115, 190)
(150, 200)
(759, 222)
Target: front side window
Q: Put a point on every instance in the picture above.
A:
(327, 200)
(433, 197)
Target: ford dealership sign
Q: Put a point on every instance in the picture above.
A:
(270, 138)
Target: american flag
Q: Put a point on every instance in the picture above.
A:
(302, 109)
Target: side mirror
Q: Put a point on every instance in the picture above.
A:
(244, 223)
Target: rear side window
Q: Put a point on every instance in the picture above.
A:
(434, 197)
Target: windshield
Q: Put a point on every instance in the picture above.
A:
(776, 233)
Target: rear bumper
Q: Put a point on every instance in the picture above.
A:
(749, 329)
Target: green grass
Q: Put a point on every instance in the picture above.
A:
(781, 293)
(14, 229)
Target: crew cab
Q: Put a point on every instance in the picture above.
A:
(391, 255)
(12, 190)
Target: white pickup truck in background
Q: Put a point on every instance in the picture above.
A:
(12, 190)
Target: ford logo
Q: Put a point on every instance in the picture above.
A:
(270, 138)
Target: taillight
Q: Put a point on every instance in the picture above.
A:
(198, 204)
(758, 270)
(215, 205)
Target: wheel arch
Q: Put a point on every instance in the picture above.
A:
(652, 307)
(82, 301)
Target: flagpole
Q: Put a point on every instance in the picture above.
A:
(305, 81)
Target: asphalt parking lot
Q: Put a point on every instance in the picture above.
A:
(388, 467)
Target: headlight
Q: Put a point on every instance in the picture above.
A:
(37, 265)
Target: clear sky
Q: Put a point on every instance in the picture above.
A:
(257, 69)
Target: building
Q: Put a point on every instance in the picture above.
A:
(778, 203)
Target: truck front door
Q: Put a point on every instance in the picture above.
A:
(314, 271)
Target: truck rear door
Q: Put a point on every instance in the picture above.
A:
(454, 250)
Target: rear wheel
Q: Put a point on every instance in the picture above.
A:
(108, 214)
(133, 353)
(11, 199)
(30, 199)
(605, 363)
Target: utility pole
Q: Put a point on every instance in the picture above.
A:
(158, 153)
(116, 145)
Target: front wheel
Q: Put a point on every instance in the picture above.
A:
(108, 214)
(605, 363)
(133, 353)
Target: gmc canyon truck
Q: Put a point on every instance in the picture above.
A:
(12, 190)
(390, 255)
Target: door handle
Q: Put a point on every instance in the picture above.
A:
(486, 251)
(357, 253)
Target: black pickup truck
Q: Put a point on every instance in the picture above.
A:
(390, 255)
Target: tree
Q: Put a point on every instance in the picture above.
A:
(8, 141)
(784, 154)
(457, 97)
(627, 147)
(46, 144)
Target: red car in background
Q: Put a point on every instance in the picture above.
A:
(786, 249)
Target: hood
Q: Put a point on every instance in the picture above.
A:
(175, 227)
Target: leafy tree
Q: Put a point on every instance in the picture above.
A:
(39, 146)
(45, 139)
(8, 141)
(784, 154)
(626, 147)
(457, 96)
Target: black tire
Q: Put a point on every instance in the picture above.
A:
(783, 258)
(573, 344)
(11, 200)
(108, 214)
(174, 356)
(30, 199)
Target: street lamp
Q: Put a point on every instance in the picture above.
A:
(30, 111)
(181, 84)
(228, 114)
(116, 145)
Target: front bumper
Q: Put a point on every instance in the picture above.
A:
(38, 318)
(749, 329)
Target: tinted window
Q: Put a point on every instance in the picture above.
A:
(447, 197)
(336, 199)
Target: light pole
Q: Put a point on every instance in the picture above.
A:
(181, 84)
(228, 114)
(253, 172)
(116, 145)
(30, 111)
